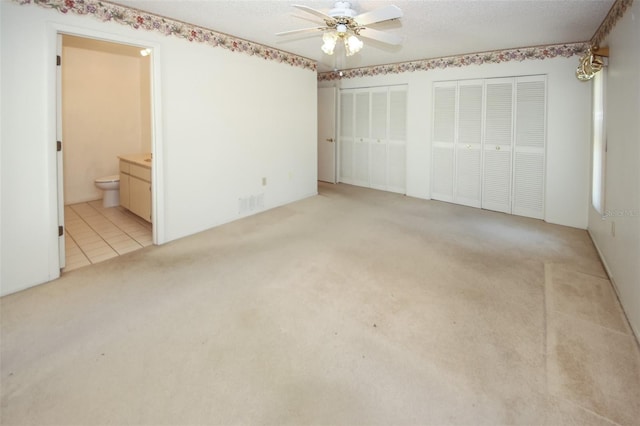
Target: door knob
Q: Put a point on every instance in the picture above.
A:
(497, 147)
(329, 140)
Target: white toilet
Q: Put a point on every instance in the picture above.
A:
(111, 187)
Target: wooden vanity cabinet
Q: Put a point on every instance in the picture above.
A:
(124, 184)
(136, 182)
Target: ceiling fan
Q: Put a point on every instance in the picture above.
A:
(342, 23)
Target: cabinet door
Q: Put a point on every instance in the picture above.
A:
(529, 147)
(124, 184)
(140, 198)
(444, 134)
(498, 137)
(468, 175)
(124, 190)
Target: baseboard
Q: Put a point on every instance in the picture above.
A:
(635, 332)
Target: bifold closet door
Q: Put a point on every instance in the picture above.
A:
(488, 144)
(361, 141)
(529, 148)
(379, 115)
(373, 137)
(397, 137)
(468, 146)
(498, 141)
(346, 133)
(444, 134)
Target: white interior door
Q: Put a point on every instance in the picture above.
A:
(346, 136)
(327, 134)
(378, 154)
(362, 138)
(498, 142)
(444, 135)
(59, 171)
(468, 147)
(529, 147)
(397, 149)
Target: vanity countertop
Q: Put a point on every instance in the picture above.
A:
(143, 159)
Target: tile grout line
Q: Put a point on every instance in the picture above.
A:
(79, 248)
(97, 233)
(89, 225)
(100, 216)
(120, 229)
(114, 224)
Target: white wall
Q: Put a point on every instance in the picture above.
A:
(102, 112)
(621, 253)
(567, 179)
(224, 121)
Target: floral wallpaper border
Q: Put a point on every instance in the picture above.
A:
(137, 19)
(615, 13)
(541, 52)
(494, 57)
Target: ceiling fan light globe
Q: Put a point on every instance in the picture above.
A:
(329, 42)
(328, 49)
(330, 37)
(353, 45)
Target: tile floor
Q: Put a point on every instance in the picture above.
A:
(94, 233)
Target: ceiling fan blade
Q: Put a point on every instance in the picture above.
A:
(315, 12)
(382, 36)
(383, 14)
(302, 30)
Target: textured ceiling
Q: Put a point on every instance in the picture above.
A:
(430, 29)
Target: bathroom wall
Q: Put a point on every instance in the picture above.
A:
(105, 111)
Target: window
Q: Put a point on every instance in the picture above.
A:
(599, 141)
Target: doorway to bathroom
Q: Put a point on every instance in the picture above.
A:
(104, 112)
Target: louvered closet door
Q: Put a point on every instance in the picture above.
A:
(397, 145)
(498, 138)
(444, 134)
(378, 153)
(468, 147)
(529, 149)
(346, 142)
(362, 135)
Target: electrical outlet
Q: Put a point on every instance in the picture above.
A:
(613, 229)
(264, 181)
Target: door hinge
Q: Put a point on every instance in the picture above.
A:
(60, 231)
(58, 146)
(58, 60)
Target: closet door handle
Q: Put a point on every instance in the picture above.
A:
(497, 147)
(329, 140)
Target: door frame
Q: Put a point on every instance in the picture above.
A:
(53, 96)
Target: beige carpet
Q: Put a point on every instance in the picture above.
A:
(354, 307)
